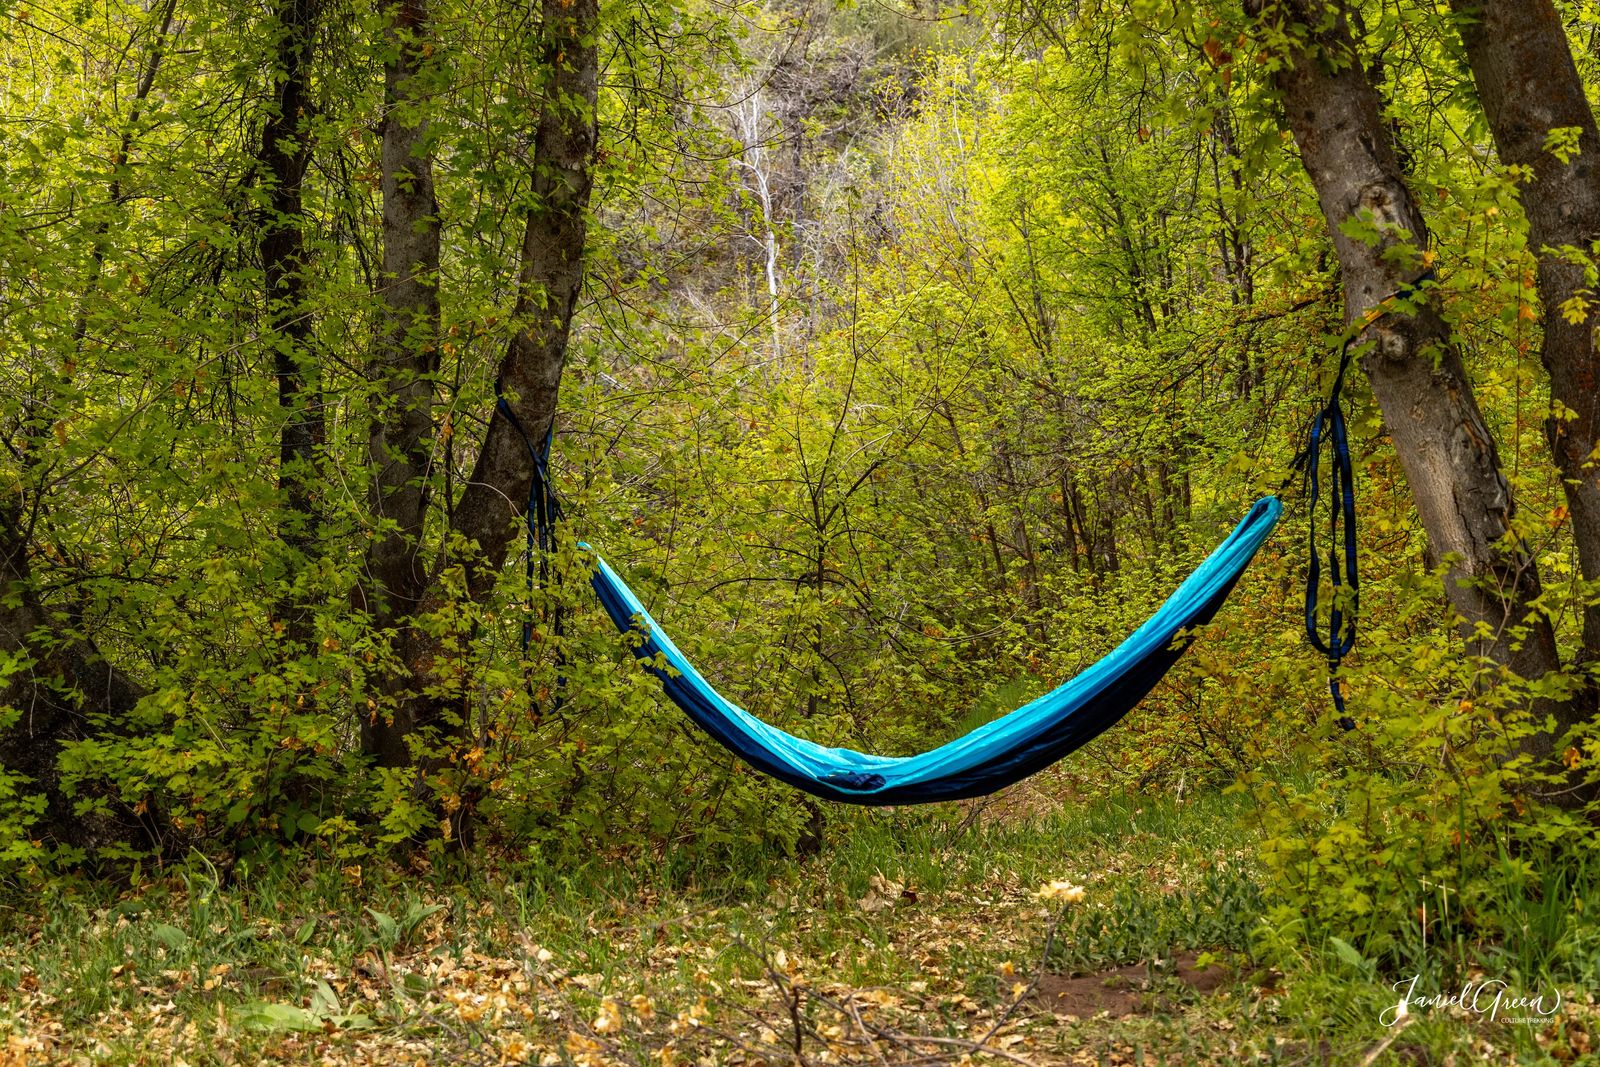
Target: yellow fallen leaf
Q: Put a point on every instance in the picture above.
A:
(1062, 891)
(609, 1019)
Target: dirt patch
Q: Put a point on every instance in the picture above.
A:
(1128, 990)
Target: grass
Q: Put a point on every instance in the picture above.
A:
(913, 938)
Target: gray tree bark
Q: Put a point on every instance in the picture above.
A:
(1415, 367)
(1529, 86)
(401, 442)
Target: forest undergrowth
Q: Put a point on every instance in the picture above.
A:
(1029, 930)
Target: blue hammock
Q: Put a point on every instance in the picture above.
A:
(993, 755)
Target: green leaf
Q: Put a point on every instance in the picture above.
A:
(388, 929)
(170, 936)
(1347, 952)
(418, 913)
(324, 1001)
(277, 1018)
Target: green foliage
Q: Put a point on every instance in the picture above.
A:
(917, 363)
(391, 933)
(1434, 840)
(287, 948)
(1219, 915)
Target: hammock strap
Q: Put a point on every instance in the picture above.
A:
(540, 515)
(1329, 429)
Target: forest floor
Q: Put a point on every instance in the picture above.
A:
(917, 939)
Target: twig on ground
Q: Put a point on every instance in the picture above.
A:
(1038, 973)
(861, 1025)
(1383, 1046)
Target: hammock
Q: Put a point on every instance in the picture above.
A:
(990, 757)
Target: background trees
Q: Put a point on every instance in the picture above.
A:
(904, 361)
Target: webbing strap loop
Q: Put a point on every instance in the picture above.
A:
(1329, 429)
(540, 515)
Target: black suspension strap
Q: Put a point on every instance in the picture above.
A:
(1329, 429)
(540, 515)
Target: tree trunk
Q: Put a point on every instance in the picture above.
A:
(1529, 86)
(400, 446)
(1414, 365)
(285, 156)
(548, 284)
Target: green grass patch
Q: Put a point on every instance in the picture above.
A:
(914, 925)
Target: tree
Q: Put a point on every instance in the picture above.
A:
(1450, 457)
(401, 444)
(1543, 125)
(58, 686)
(429, 700)
(286, 144)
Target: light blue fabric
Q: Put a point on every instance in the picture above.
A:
(991, 755)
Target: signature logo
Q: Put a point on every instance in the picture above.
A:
(1489, 998)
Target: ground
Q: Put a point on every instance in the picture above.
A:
(922, 937)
